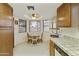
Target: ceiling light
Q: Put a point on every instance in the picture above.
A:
(30, 7)
(61, 18)
(33, 14)
(33, 17)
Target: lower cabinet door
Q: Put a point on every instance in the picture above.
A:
(6, 43)
(52, 52)
(52, 49)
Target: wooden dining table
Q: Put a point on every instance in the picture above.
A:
(35, 39)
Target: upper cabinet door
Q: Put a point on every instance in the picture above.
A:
(6, 30)
(64, 15)
(6, 9)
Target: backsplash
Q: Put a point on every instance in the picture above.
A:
(72, 32)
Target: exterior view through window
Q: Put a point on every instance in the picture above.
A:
(35, 26)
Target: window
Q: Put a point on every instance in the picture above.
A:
(46, 25)
(34, 26)
(22, 26)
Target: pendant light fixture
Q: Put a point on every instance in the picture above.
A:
(33, 14)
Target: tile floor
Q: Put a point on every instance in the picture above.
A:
(25, 49)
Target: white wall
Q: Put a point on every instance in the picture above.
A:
(19, 37)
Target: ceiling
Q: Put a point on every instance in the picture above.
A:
(46, 10)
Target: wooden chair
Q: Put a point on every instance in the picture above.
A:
(40, 39)
(29, 38)
(34, 40)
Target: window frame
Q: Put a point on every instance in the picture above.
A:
(45, 25)
(24, 24)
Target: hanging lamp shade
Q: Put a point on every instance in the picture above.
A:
(32, 13)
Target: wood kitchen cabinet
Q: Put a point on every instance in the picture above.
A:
(52, 48)
(6, 9)
(64, 15)
(6, 30)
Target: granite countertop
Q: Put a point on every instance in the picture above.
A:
(68, 44)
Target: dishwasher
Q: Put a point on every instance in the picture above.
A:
(57, 53)
(60, 52)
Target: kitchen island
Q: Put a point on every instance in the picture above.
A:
(69, 45)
